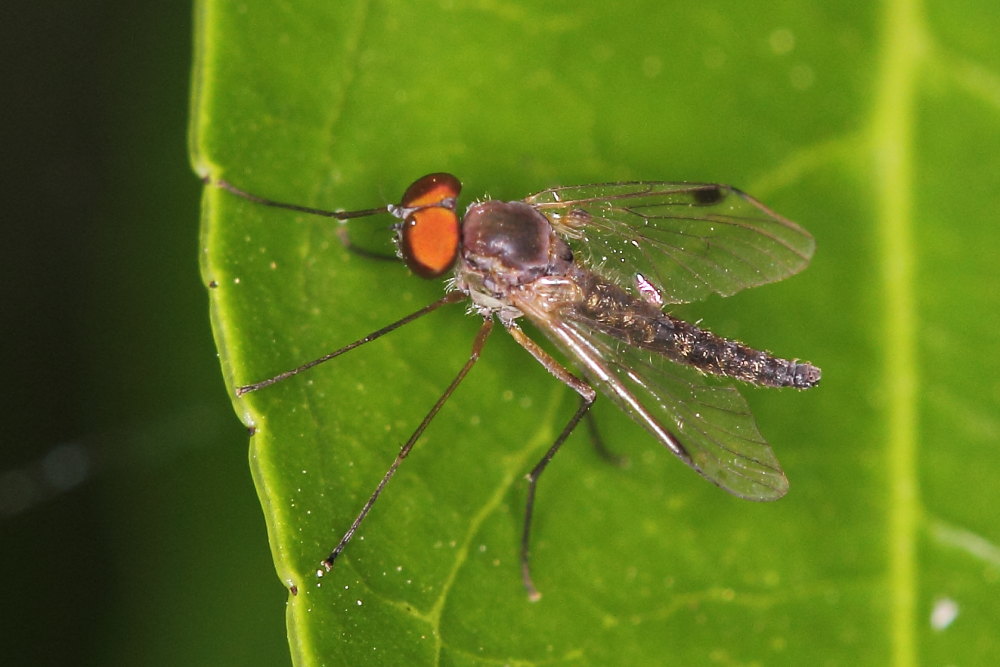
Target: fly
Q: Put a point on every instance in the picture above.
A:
(592, 267)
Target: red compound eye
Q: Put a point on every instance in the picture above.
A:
(432, 190)
(430, 236)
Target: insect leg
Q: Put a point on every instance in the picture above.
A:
(450, 297)
(600, 446)
(477, 347)
(342, 216)
(587, 396)
(345, 240)
(264, 201)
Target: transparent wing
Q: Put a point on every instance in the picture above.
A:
(708, 425)
(688, 239)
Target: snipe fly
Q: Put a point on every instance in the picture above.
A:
(592, 267)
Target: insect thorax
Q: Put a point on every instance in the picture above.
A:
(507, 246)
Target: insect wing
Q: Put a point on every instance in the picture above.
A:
(688, 239)
(707, 424)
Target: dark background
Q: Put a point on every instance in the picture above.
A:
(120, 456)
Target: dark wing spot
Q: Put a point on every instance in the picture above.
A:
(708, 195)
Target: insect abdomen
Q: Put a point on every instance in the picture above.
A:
(639, 323)
(720, 356)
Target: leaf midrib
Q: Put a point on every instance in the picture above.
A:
(892, 144)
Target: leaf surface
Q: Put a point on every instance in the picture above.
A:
(874, 127)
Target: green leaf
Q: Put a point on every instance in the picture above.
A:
(875, 127)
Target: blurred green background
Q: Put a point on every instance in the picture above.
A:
(121, 456)
(131, 531)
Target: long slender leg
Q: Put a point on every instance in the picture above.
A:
(450, 297)
(477, 347)
(345, 239)
(342, 216)
(601, 447)
(257, 199)
(587, 396)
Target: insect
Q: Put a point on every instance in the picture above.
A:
(592, 267)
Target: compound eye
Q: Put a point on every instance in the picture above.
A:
(430, 234)
(430, 238)
(432, 190)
